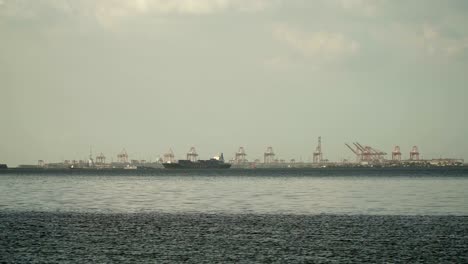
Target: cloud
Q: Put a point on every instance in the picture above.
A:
(366, 7)
(135, 7)
(322, 44)
(422, 40)
(110, 12)
(205, 6)
(436, 43)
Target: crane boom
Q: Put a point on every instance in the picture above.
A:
(361, 146)
(351, 149)
(378, 152)
(358, 146)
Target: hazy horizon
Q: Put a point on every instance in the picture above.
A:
(149, 75)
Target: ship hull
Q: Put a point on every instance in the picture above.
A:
(196, 165)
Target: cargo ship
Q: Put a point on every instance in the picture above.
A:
(213, 163)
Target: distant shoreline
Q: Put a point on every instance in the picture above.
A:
(327, 171)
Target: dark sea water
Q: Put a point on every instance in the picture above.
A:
(282, 216)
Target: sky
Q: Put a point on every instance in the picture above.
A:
(149, 75)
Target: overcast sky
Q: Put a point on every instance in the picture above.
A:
(149, 75)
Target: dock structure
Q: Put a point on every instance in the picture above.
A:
(240, 156)
(396, 154)
(318, 155)
(367, 153)
(365, 156)
(169, 157)
(414, 153)
(100, 159)
(269, 155)
(192, 155)
(122, 157)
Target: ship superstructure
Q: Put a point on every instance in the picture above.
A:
(193, 163)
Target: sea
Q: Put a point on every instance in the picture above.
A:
(327, 215)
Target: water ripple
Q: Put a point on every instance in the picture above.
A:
(236, 194)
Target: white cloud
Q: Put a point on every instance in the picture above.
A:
(204, 6)
(322, 44)
(366, 7)
(129, 7)
(111, 12)
(423, 40)
(436, 43)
